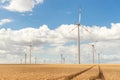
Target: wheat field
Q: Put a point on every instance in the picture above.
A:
(57, 72)
(111, 72)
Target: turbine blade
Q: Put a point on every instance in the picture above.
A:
(73, 29)
(86, 30)
(80, 14)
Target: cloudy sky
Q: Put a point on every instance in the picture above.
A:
(47, 25)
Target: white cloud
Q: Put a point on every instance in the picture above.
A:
(49, 44)
(38, 1)
(5, 21)
(22, 5)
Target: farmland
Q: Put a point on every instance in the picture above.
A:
(57, 72)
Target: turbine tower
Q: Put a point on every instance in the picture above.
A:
(99, 56)
(21, 61)
(78, 25)
(64, 60)
(25, 57)
(35, 60)
(30, 46)
(93, 47)
(61, 55)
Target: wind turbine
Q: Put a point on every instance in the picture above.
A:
(98, 58)
(64, 59)
(78, 26)
(61, 55)
(30, 46)
(25, 57)
(35, 60)
(79, 36)
(93, 47)
(21, 61)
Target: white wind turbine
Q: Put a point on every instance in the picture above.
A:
(78, 26)
(30, 51)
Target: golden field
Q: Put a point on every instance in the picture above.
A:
(111, 72)
(57, 72)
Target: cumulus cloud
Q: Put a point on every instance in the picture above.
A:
(5, 21)
(21, 5)
(49, 44)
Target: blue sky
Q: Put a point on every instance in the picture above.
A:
(57, 12)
